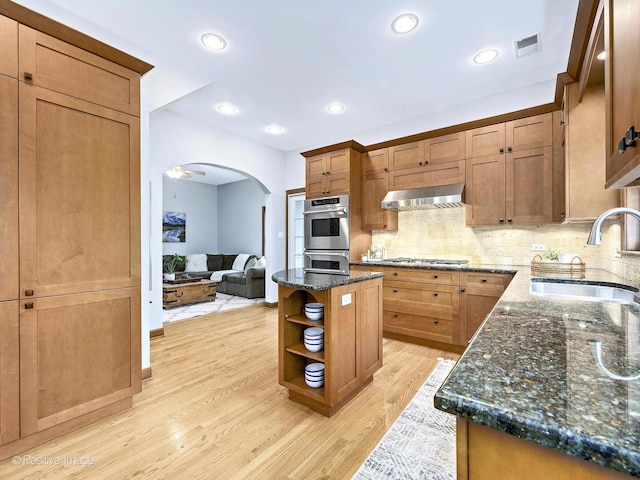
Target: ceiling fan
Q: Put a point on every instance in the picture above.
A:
(179, 172)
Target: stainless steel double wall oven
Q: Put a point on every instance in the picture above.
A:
(326, 235)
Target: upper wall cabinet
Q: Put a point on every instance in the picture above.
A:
(331, 173)
(485, 141)
(56, 65)
(8, 47)
(375, 185)
(622, 79)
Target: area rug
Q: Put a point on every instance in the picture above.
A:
(222, 303)
(421, 443)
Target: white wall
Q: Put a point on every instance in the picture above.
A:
(240, 217)
(200, 202)
(177, 140)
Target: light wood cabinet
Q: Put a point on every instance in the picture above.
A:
(70, 187)
(375, 185)
(479, 293)
(585, 158)
(510, 182)
(352, 342)
(331, 173)
(407, 155)
(9, 188)
(9, 372)
(622, 80)
(445, 148)
(8, 47)
(428, 176)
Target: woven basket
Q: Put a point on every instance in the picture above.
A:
(574, 269)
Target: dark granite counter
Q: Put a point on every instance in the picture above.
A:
(467, 267)
(297, 278)
(529, 372)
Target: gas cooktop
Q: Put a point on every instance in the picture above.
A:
(426, 261)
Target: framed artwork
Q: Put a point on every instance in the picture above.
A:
(174, 227)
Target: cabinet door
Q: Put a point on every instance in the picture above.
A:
(529, 186)
(342, 348)
(622, 77)
(446, 148)
(428, 175)
(316, 166)
(79, 195)
(475, 304)
(9, 188)
(78, 353)
(374, 188)
(64, 68)
(9, 372)
(338, 162)
(375, 161)
(485, 188)
(408, 155)
(528, 133)
(370, 327)
(338, 184)
(8, 47)
(316, 187)
(485, 141)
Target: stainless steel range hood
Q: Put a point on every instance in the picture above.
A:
(441, 196)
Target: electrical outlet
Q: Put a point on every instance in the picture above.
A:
(538, 247)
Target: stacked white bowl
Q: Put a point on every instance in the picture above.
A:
(314, 339)
(314, 311)
(314, 375)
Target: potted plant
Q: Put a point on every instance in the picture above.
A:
(169, 263)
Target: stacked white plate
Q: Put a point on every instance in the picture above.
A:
(314, 374)
(314, 311)
(314, 339)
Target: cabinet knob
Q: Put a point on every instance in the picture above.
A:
(395, 274)
(509, 219)
(435, 322)
(419, 163)
(384, 226)
(435, 294)
(426, 162)
(395, 315)
(323, 173)
(435, 276)
(502, 150)
(328, 173)
(28, 76)
(502, 220)
(395, 290)
(509, 149)
(386, 169)
(484, 280)
(462, 290)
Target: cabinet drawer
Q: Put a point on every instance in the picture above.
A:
(416, 297)
(440, 277)
(423, 326)
(496, 281)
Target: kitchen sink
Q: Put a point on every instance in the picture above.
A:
(589, 292)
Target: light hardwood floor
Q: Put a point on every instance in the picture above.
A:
(214, 410)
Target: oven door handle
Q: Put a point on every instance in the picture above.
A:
(342, 210)
(310, 253)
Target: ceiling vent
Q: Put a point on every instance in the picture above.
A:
(527, 46)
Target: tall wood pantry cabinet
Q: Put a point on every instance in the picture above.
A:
(70, 229)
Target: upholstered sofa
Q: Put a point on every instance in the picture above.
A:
(235, 274)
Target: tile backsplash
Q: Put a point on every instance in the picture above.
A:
(442, 233)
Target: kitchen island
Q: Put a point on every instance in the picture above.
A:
(531, 400)
(352, 327)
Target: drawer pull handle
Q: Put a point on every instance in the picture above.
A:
(28, 76)
(28, 293)
(462, 290)
(435, 322)
(484, 280)
(28, 305)
(395, 274)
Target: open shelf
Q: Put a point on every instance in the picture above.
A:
(298, 384)
(300, 349)
(302, 320)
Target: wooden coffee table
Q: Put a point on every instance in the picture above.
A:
(176, 294)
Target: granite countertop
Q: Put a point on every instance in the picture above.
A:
(529, 371)
(297, 278)
(467, 267)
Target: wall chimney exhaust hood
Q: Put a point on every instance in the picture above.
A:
(441, 196)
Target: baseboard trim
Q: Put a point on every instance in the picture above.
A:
(271, 304)
(156, 332)
(146, 373)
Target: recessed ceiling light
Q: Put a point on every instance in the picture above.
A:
(404, 23)
(275, 129)
(335, 108)
(213, 41)
(227, 109)
(485, 56)
(602, 55)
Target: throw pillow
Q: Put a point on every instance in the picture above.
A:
(227, 261)
(261, 262)
(196, 262)
(250, 263)
(214, 262)
(241, 261)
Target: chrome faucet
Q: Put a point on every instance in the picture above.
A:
(595, 237)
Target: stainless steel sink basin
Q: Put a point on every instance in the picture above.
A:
(582, 291)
